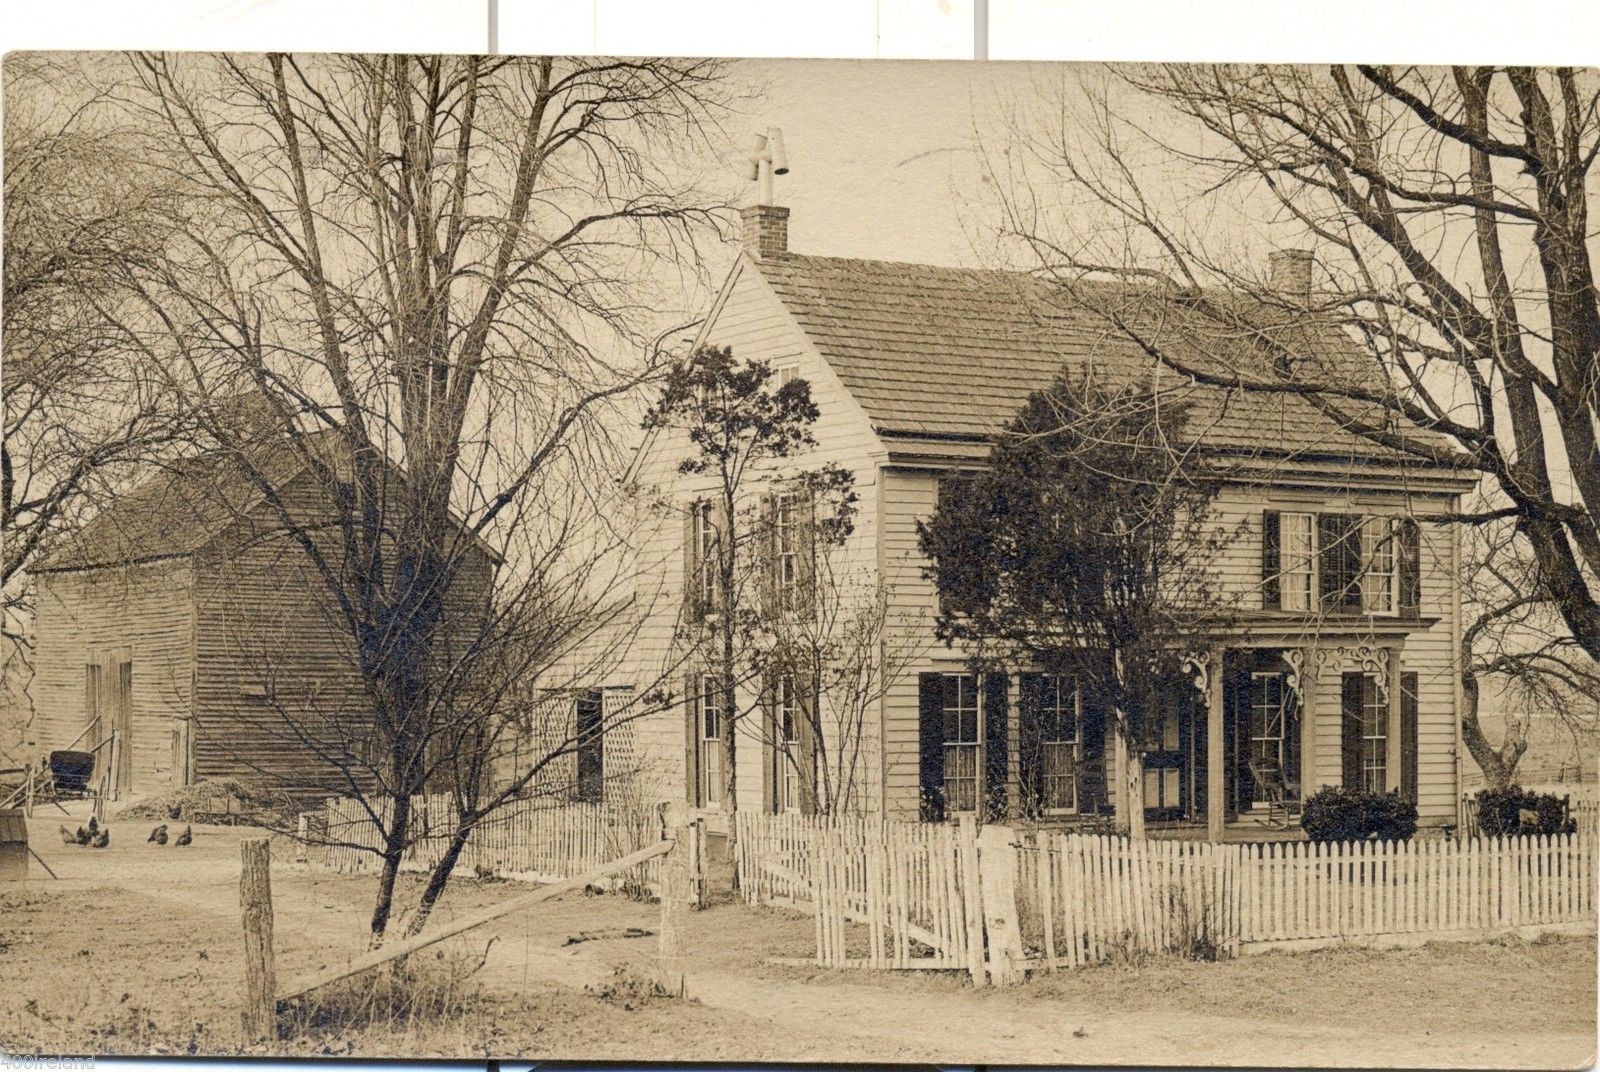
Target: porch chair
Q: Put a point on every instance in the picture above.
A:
(1283, 796)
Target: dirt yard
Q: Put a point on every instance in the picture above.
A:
(136, 950)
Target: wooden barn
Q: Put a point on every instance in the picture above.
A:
(184, 634)
(1334, 661)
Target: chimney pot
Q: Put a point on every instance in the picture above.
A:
(764, 230)
(1289, 271)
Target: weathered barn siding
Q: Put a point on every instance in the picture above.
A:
(276, 667)
(755, 325)
(143, 614)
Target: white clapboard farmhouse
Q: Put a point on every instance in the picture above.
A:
(1337, 665)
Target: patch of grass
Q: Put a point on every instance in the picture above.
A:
(417, 992)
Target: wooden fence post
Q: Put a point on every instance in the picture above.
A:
(676, 894)
(302, 852)
(997, 866)
(255, 903)
(971, 896)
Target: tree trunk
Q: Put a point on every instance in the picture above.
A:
(439, 878)
(1130, 782)
(1499, 765)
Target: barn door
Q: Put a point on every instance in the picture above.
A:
(182, 753)
(116, 721)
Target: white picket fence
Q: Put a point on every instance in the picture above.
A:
(536, 838)
(911, 895)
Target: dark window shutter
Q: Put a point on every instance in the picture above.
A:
(721, 540)
(807, 707)
(1092, 796)
(691, 764)
(1030, 745)
(772, 769)
(806, 554)
(1271, 560)
(1410, 562)
(1408, 735)
(1350, 698)
(1339, 561)
(769, 556)
(930, 745)
(692, 611)
(996, 753)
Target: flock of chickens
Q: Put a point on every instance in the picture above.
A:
(98, 837)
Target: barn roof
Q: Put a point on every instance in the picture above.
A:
(180, 508)
(937, 352)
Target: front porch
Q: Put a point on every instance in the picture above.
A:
(1273, 715)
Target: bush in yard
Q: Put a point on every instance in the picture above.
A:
(1514, 810)
(1335, 813)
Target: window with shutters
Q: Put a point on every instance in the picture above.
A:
(1374, 736)
(1297, 534)
(708, 725)
(786, 707)
(1060, 719)
(1379, 576)
(786, 509)
(963, 736)
(703, 537)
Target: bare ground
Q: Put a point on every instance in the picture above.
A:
(136, 950)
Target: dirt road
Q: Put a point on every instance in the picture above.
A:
(154, 931)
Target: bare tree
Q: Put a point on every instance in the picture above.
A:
(1449, 211)
(1514, 643)
(84, 403)
(435, 273)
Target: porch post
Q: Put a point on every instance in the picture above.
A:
(1391, 756)
(1216, 779)
(1305, 687)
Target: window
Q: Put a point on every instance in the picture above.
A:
(1060, 715)
(1269, 700)
(589, 785)
(708, 724)
(704, 535)
(786, 550)
(962, 734)
(786, 374)
(1297, 536)
(1374, 737)
(1378, 558)
(786, 704)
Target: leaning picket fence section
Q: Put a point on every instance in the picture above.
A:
(997, 903)
(883, 894)
(536, 838)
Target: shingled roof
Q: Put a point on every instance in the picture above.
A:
(936, 352)
(179, 509)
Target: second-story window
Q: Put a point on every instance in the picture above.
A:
(1298, 556)
(705, 556)
(1378, 558)
(786, 550)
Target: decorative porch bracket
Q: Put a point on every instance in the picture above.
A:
(1368, 658)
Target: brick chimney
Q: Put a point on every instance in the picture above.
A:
(764, 230)
(1290, 273)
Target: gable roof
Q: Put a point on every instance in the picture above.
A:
(181, 508)
(934, 352)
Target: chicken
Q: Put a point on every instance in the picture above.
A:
(101, 839)
(186, 837)
(175, 811)
(94, 827)
(82, 837)
(158, 835)
(68, 837)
